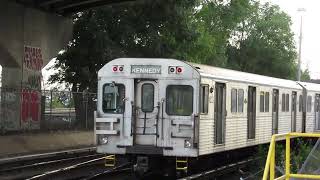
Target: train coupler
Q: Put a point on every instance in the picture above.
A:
(110, 160)
(182, 164)
(142, 165)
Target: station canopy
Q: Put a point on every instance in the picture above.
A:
(66, 7)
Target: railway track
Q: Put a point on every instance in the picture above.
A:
(45, 163)
(64, 170)
(28, 166)
(87, 165)
(73, 164)
(219, 171)
(87, 170)
(113, 171)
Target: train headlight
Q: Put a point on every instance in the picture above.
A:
(117, 68)
(172, 69)
(175, 70)
(187, 143)
(104, 140)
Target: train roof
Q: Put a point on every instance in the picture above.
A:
(222, 74)
(232, 75)
(146, 64)
(310, 86)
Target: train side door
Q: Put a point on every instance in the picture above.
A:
(294, 111)
(275, 111)
(317, 111)
(220, 112)
(251, 112)
(146, 112)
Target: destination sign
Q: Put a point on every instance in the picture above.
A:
(145, 69)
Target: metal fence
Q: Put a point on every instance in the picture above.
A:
(45, 110)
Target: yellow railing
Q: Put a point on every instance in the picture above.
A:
(270, 163)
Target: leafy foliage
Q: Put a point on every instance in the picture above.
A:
(300, 149)
(265, 45)
(238, 34)
(305, 75)
(141, 29)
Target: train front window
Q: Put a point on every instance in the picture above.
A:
(179, 100)
(113, 95)
(147, 98)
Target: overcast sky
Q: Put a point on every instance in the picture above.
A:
(311, 30)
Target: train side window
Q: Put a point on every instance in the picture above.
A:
(287, 102)
(234, 103)
(300, 103)
(113, 95)
(317, 104)
(240, 100)
(283, 103)
(266, 96)
(261, 101)
(179, 100)
(204, 97)
(147, 98)
(309, 102)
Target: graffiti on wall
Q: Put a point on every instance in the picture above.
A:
(34, 82)
(32, 58)
(31, 94)
(9, 104)
(30, 105)
(32, 65)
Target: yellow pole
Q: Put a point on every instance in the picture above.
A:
(267, 166)
(272, 162)
(288, 157)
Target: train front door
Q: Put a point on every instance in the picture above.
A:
(294, 111)
(275, 111)
(146, 112)
(317, 111)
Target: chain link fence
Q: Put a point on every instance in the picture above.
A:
(45, 110)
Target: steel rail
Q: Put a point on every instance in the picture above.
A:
(47, 163)
(45, 155)
(68, 168)
(219, 169)
(117, 169)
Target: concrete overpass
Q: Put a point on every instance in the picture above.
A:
(31, 33)
(32, 28)
(65, 7)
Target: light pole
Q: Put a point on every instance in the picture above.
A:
(300, 42)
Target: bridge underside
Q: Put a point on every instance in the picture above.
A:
(65, 7)
(32, 32)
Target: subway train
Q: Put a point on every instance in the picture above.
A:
(166, 108)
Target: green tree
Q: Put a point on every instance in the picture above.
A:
(214, 22)
(263, 43)
(238, 34)
(140, 29)
(151, 29)
(305, 75)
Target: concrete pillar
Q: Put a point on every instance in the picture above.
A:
(29, 39)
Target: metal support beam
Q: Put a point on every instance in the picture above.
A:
(77, 4)
(49, 2)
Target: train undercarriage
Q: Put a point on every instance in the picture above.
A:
(174, 167)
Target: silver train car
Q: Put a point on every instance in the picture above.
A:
(173, 108)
